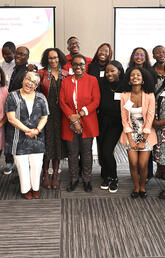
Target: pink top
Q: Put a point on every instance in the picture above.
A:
(3, 95)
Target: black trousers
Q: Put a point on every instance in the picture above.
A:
(81, 146)
(107, 143)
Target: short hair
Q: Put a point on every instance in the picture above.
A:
(153, 50)
(3, 79)
(146, 64)
(78, 56)
(34, 73)
(119, 66)
(10, 45)
(147, 86)
(44, 59)
(28, 51)
(96, 59)
(72, 37)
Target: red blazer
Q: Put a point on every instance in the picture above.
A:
(88, 95)
(68, 65)
(45, 82)
(148, 112)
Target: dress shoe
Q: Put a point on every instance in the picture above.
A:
(162, 195)
(27, 195)
(134, 195)
(36, 194)
(72, 186)
(87, 187)
(143, 194)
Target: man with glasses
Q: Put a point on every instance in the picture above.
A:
(73, 46)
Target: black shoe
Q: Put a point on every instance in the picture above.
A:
(105, 184)
(162, 195)
(113, 185)
(72, 186)
(134, 195)
(87, 187)
(143, 194)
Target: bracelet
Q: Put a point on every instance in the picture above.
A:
(75, 122)
(37, 130)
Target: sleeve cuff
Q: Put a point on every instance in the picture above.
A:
(85, 110)
(128, 130)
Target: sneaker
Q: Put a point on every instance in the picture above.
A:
(8, 169)
(113, 185)
(105, 184)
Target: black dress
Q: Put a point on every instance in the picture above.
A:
(55, 147)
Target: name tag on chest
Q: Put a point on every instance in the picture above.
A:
(117, 96)
(128, 105)
(102, 73)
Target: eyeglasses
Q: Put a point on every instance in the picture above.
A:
(53, 58)
(139, 55)
(74, 44)
(34, 83)
(104, 51)
(76, 64)
(20, 54)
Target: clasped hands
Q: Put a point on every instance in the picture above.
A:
(137, 146)
(32, 133)
(74, 119)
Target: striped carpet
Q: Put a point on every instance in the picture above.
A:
(80, 224)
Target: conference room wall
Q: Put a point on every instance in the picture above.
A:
(92, 21)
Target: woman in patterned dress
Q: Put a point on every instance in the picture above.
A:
(159, 121)
(51, 76)
(138, 136)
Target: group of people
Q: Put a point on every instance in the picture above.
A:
(55, 112)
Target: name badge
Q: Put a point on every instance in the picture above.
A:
(163, 94)
(117, 96)
(102, 73)
(71, 71)
(128, 105)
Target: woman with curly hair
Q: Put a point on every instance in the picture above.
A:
(138, 136)
(53, 59)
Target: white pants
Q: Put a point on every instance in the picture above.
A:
(29, 170)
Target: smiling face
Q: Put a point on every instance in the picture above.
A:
(159, 55)
(21, 56)
(74, 46)
(7, 54)
(136, 78)
(112, 73)
(53, 59)
(103, 54)
(139, 57)
(30, 83)
(78, 67)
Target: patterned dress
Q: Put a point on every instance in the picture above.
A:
(137, 124)
(55, 148)
(159, 148)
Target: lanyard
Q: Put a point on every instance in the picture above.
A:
(75, 92)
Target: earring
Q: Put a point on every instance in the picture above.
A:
(129, 83)
(142, 82)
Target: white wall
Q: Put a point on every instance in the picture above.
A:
(90, 20)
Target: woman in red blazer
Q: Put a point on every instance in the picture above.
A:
(79, 99)
(138, 136)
